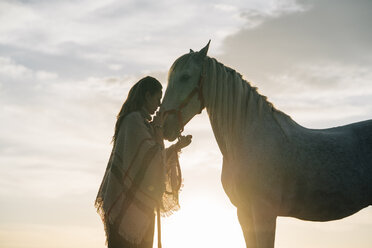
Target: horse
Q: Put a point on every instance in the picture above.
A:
(272, 166)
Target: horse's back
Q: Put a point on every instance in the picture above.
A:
(334, 171)
(348, 145)
(359, 135)
(363, 130)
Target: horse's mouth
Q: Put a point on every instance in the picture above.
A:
(171, 135)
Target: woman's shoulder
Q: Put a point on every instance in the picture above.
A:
(133, 118)
(134, 115)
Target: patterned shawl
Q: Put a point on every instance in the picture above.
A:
(140, 176)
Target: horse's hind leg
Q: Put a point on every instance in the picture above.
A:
(258, 227)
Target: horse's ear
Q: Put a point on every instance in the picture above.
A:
(191, 51)
(203, 52)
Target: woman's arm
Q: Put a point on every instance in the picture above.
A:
(182, 142)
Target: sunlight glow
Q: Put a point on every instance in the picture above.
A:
(202, 222)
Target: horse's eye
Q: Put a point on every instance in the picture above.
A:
(185, 77)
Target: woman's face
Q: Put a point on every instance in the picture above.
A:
(153, 101)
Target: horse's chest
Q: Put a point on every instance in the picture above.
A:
(243, 182)
(229, 181)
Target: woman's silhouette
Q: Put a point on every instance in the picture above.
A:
(141, 175)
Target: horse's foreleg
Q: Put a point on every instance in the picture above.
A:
(246, 222)
(265, 223)
(258, 227)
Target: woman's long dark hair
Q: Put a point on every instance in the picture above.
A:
(136, 99)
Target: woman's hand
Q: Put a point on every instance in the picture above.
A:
(183, 141)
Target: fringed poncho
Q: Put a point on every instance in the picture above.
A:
(139, 177)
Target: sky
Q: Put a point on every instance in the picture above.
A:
(66, 67)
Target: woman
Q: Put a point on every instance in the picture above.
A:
(141, 175)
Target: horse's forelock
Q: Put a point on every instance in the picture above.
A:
(182, 61)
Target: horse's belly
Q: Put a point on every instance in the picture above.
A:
(327, 210)
(328, 199)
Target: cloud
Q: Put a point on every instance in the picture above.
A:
(308, 61)
(139, 35)
(307, 36)
(10, 69)
(50, 126)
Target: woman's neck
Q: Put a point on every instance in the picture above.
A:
(145, 113)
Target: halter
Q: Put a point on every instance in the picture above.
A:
(197, 90)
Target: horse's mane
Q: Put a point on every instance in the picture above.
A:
(220, 69)
(229, 79)
(231, 101)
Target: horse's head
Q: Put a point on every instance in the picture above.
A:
(183, 97)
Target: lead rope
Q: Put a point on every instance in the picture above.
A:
(158, 221)
(159, 225)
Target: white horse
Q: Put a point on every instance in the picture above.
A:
(272, 166)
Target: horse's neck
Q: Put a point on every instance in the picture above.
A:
(233, 105)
